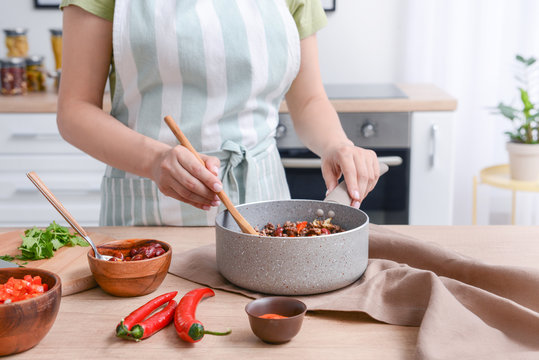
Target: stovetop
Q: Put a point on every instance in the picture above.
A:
(364, 91)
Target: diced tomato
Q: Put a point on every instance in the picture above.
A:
(20, 289)
(300, 226)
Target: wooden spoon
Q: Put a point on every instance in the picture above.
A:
(244, 225)
(66, 214)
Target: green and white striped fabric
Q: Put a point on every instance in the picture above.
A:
(220, 69)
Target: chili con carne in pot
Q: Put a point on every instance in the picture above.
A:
(293, 265)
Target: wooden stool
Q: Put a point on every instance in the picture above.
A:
(498, 176)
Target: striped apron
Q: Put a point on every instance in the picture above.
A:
(220, 69)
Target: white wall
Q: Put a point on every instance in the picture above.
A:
(21, 13)
(362, 42)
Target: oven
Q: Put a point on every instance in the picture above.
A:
(388, 134)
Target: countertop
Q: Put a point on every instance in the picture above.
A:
(84, 328)
(421, 97)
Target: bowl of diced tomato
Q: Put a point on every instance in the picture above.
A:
(29, 303)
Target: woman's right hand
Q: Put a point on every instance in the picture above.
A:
(179, 174)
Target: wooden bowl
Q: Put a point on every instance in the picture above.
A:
(129, 278)
(24, 323)
(276, 331)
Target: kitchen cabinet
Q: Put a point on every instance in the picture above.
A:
(431, 168)
(31, 142)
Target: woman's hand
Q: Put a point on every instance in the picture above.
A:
(318, 126)
(359, 166)
(180, 175)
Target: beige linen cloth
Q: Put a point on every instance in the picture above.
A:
(465, 309)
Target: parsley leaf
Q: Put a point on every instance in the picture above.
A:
(6, 257)
(11, 258)
(41, 244)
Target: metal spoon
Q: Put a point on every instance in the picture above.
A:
(242, 222)
(62, 210)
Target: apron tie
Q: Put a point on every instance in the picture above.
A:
(240, 169)
(238, 161)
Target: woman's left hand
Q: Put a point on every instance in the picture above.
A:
(318, 126)
(359, 166)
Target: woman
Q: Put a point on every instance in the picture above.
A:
(221, 70)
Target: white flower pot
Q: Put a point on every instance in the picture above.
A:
(523, 161)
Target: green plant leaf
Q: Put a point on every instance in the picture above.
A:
(525, 97)
(508, 111)
(526, 119)
(527, 62)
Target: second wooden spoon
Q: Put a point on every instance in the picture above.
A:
(243, 224)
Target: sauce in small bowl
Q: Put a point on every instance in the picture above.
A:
(276, 319)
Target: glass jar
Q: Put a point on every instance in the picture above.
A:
(35, 73)
(56, 41)
(16, 42)
(13, 76)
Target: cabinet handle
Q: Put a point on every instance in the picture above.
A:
(434, 133)
(34, 136)
(302, 163)
(299, 163)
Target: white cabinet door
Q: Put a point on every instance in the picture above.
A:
(431, 169)
(31, 142)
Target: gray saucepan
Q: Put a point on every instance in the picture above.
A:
(294, 265)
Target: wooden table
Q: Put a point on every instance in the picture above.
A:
(84, 328)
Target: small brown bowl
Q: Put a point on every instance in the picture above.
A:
(23, 324)
(129, 278)
(276, 331)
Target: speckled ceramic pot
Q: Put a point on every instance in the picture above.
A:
(292, 266)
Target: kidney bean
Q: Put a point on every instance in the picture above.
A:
(159, 251)
(149, 252)
(137, 257)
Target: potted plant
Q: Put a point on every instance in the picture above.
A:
(523, 144)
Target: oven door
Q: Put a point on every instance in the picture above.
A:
(388, 203)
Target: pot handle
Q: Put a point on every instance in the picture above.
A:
(340, 195)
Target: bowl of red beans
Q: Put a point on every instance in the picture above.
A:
(29, 302)
(136, 267)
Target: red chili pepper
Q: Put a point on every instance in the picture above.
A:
(154, 323)
(188, 327)
(300, 226)
(125, 326)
